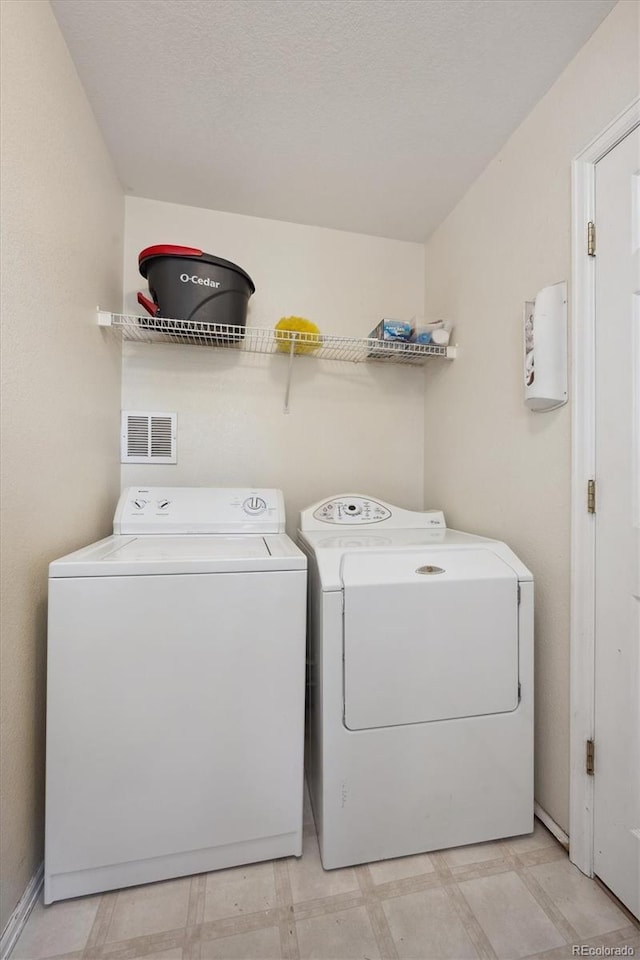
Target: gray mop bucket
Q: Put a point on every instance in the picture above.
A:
(195, 287)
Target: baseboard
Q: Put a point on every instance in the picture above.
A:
(21, 913)
(551, 825)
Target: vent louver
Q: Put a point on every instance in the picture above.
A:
(148, 437)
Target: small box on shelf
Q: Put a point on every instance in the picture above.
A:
(389, 329)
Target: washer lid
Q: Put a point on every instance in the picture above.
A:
(156, 555)
(428, 635)
(189, 548)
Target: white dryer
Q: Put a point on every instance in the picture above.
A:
(175, 709)
(420, 683)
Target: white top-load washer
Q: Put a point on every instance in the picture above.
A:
(420, 682)
(175, 707)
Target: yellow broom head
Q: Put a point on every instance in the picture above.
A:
(308, 338)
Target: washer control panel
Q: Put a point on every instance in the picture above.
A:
(351, 510)
(195, 510)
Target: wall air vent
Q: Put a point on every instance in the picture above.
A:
(148, 437)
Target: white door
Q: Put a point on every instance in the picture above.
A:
(617, 599)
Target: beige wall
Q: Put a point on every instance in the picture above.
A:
(492, 465)
(350, 428)
(62, 223)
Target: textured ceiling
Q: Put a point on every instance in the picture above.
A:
(366, 115)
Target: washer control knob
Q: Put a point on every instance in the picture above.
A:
(139, 504)
(254, 505)
(163, 504)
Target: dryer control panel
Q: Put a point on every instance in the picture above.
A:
(352, 510)
(358, 510)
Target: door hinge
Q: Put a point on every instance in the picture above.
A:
(591, 239)
(591, 496)
(590, 758)
(519, 594)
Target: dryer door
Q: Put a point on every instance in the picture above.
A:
(428, 635)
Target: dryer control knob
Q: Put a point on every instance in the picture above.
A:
(254, 505)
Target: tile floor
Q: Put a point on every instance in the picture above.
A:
(510, 899)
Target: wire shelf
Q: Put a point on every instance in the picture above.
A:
(265, 340)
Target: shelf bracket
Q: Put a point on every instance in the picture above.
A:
(292, 350)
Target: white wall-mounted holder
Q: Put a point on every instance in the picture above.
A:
(545, 349)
